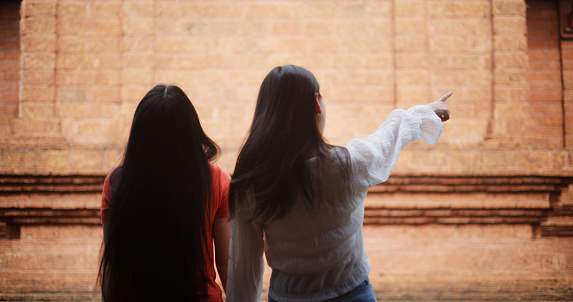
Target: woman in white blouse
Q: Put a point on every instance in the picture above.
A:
(301, 201)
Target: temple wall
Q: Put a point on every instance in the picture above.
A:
(486, 214)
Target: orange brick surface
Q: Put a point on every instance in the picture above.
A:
(73, 71)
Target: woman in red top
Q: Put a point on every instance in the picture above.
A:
(164, 207)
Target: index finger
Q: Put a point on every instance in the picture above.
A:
(445, 97)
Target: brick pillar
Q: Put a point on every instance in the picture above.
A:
(567, 78)
(511, 123)
(38, 31)
(9, 63)
(544, 73)
(89, 79)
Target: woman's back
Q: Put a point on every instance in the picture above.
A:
(320, 254)
(158, 222)
(300, 200)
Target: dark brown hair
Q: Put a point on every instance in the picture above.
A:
(283, 135)
(157, 226)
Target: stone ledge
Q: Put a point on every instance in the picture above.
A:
(473, 184)
(537, 202)
(42, 296)
(16, 192)
(18, 184)
(533, 200)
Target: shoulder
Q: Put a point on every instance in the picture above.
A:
(111, 179)
(109, 186)
(221, 183)
(340, 155)
(221, 180)
(218, 174)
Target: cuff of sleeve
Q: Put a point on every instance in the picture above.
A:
(432, 127)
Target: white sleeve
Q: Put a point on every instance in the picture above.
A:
(374, 157)
(246, 263)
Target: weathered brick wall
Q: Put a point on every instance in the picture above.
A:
(86, 64)
(483, 215)
(9, 64)
(546, 91)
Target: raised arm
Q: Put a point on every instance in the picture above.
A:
(374, 157)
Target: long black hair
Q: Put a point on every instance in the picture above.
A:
(283, 135)
(157, 224)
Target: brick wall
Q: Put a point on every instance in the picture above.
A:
(484, 215)
(9, 64)
(86, 64)
(567, 67)
(544, 72)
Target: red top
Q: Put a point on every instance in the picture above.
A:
(219, 209)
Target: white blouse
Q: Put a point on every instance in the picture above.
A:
(320, 255)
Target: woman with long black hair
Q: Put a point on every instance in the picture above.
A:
(163, 208)
(300, 201)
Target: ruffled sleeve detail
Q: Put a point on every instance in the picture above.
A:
(374, 157)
